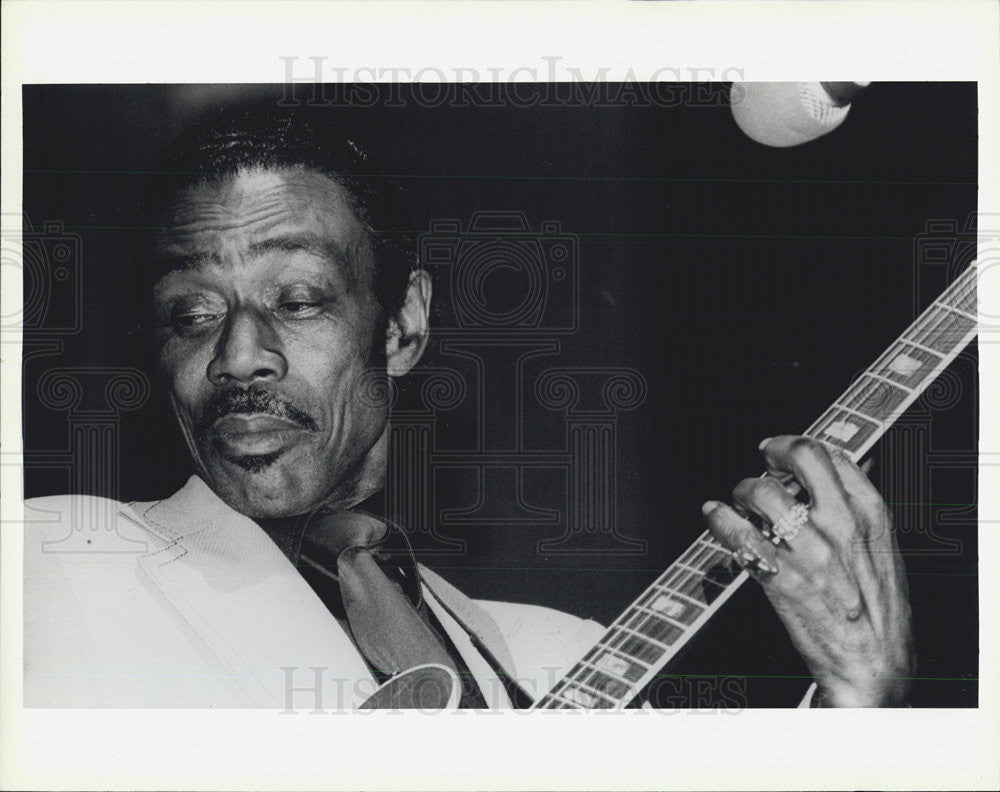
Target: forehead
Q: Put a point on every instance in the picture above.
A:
(255, 210)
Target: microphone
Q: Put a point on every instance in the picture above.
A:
(786, 114)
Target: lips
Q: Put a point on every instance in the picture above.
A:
(255, 434)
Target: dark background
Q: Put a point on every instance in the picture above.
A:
(746, 284)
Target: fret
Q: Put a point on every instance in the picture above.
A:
(660, 615)
(634, 645)
(962, 296)
(706, 557)
(904, 364)
(876, 398)
(577, 698)
(599, 700)
(947, 329)
(693, 570)
(668, 613)
(843, 430)
(670, 604)
(686, 588)
(654, 627)
(699, 586)
(701, 549)
(710, 589)
(705, 584)
(628, 668)
(634, 633)
(658, 602)
(696, 563)
(615, 671)
(695, 557)
(858, 414)
(712, 544)
(961, 285)
(681, 583)
(921, 347)
(875, 375)
(959, 311)
(607, 672)
(603, 684)
(695, 586)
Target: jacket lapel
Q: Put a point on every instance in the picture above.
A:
(248, 603)
(475, 635)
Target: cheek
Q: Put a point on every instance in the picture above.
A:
(350, 394)
(184, 377)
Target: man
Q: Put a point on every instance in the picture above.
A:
(282, 283)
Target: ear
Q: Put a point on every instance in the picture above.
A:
(408, 330)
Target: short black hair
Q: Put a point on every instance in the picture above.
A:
(231, 140)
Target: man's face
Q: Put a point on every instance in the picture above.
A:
(265, 327)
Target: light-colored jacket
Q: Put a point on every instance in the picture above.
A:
(186, 603)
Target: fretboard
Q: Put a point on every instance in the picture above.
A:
(656, 626)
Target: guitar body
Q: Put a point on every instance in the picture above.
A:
(429, 688)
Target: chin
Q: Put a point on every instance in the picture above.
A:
(258, 486)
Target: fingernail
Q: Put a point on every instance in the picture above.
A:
(749, 558)
(763, 443)
(767, 566)
(709, 506)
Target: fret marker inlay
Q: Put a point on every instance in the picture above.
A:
(579, 697)
(616, 665)
(665, 604)
(905, 365)
(650, 633)
(842, 430)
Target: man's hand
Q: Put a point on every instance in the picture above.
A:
(838, 585)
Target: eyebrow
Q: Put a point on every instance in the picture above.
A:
(309, 243)
(177, 262)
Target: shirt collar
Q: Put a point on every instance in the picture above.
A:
(327, 535)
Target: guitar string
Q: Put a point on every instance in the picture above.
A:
(929, 322)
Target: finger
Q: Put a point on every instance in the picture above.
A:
(767, 498)
(750, 549)
(825, 578)
(872, 554)
(811, 553)
(855, 479)
(810, 463)
(764, 497)
(831, 514)
(876, 523)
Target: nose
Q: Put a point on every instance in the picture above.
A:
(248, 351)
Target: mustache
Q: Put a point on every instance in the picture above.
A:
(252, 402)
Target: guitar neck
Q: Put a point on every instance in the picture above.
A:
(668, 614)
